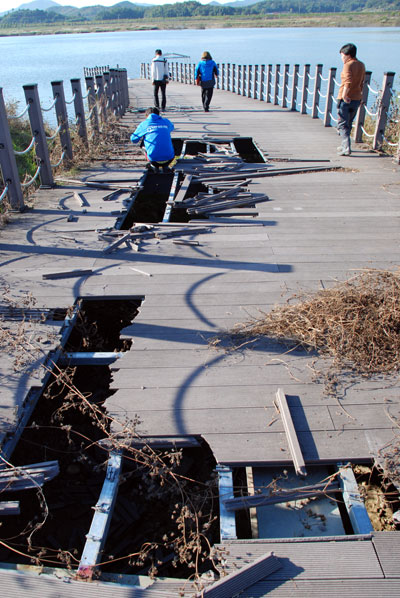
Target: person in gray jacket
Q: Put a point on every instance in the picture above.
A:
(159, 78)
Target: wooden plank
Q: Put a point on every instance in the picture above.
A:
(271, 448)
(180, 196)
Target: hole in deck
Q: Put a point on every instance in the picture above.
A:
(66, 426)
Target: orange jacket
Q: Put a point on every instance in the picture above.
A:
(352, 77)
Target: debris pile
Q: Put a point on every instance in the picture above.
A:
(357, 322)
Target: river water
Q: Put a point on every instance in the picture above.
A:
(45, 58)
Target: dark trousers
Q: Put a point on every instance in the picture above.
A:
(162, 86)
(346, 115)
(206, 95)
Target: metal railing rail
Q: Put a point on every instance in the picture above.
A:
(308, 94)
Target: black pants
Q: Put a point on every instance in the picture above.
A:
(160, 85)
(206, 95)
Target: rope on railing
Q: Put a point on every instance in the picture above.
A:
(50, 107)
(337, 82)
(33, 179)
(311, 78)
(300, 76)
(389, 142)
(59, 162)
(89, 116)
(72, 100)
(280, 86)
(372, 90)
(298, 89)
(307, 106)
(51, 137)
(320, 111)
(4, 193)
(334, 100)
(22, 113)
(322, 95)
(28, 149)
(323, 78)
(290, 75)
(365, 132)
(86, 96)
(335, 120)
(370, 113)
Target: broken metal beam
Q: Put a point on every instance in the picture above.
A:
(9, 507)
(261, 500)
(291, 435)
(234, 583)
(104, 508)
(88, 358)
(352, 499)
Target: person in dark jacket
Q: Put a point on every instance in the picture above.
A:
(206, 71)
(155, 133)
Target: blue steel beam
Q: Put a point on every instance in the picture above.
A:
(88, 358)
(227, 519)
(104, 508)
(352, 499)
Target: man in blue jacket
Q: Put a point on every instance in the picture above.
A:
(155, 132)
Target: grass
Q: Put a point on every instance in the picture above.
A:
(356, 19)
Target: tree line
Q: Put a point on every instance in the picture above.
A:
(128, 10)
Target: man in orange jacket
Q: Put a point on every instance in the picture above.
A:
(350, 94)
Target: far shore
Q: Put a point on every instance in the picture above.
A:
(355, 19)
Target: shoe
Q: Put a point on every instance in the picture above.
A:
(343, 152)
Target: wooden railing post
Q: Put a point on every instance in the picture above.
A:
(125, 86)
(383, 108)
(181, 73)
(79, 109)
(37, 128)
(268, 85)
(8, 163)
(317, 87)
(360, 116)
(249, 79)
(330, 87)
(295, 82)
(234, 78)
(285, 85)
(107, 91)
(276, 84)
(244, 76)
(101, 97)
(92, 104)
(228, 76)
(304, 89)
(114, 93)
(262, 83)
(255, 86)
(222, 76)
(239, 80)
(62, 117)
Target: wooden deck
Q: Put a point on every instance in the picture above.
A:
(316, 229)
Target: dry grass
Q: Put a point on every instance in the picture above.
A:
(356, 323)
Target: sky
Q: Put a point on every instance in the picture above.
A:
(9, 4)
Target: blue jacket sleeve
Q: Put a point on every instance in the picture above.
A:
(196, 72)
(138, 134)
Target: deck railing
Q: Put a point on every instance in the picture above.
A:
(106, 94)
(297, 89)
